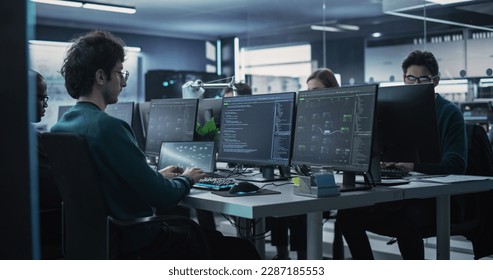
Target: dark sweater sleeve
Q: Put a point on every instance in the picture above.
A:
(117, 152)
(453, 142)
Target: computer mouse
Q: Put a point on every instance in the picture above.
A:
(243, 188)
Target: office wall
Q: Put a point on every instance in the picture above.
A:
(157, 52)
(345, 57)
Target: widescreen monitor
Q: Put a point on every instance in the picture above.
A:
(257, 130)
(170, 120)
(407, 124)
(334, 130)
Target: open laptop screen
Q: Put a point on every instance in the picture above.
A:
(188, 154)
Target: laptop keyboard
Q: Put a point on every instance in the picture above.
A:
(393, 173)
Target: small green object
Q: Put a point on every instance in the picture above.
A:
(208, 131)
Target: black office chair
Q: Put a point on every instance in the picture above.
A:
(472, 213)
(89, 232)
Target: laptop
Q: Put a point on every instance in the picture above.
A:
(188, 154)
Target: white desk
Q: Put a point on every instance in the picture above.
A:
(288, 204)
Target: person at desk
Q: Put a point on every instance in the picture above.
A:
(296, 225)
(94, 75)
(50, 202)
(241, 89)
(406, 220)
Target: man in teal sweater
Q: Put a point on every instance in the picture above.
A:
(94, 75)
(408, 220)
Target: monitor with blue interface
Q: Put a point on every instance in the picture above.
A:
(170, 120)
(257, 130)
(334, 129)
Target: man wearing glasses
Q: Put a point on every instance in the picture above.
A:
(94, 75)
(49, 198)
(406, 220)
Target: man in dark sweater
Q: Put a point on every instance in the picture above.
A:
(407, 220)
(94, 75)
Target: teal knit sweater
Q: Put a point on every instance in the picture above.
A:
(131, 188)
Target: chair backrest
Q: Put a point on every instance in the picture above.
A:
(84, 211)
(466, 207)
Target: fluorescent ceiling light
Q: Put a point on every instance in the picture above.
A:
(376, 34)
(109, 8)
(335, 27)
(67, 44)
(90, 5)
(325, 28)
(348, 27)
(60, 3)
(446, 2)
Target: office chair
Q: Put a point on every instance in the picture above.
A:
(89, 231)
(472, 213)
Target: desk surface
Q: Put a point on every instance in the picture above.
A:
(288, 204)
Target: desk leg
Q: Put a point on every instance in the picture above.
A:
(244, 231)
(260, 241)
(314, 222)
(443, 227)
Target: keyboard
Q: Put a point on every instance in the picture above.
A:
(215, 184)
(393, 173)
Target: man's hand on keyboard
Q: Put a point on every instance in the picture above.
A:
(406, 166)
(194, 173)
(171, 171)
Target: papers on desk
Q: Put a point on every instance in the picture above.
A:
(448, 179)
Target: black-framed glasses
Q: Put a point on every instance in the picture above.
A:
(123, 74)
(43, 98)
(410, 79)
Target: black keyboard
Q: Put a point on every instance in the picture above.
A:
(393, 173)
(215, 184)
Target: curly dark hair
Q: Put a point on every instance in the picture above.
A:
(90, 52)
(325, 76)
(424, 58)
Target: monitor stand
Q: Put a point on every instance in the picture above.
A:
(349, 183)
(267, 175)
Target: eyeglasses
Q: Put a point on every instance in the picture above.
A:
(410, 79)
(123, 74)
(43, 98)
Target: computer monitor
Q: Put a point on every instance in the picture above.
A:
(334, 129)
(121, 110)
(477, 112)
(187, 155)
(144, 110)
(170, 120)
(407, 124)
(257, 130)
(208, 108)
(62, 109)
